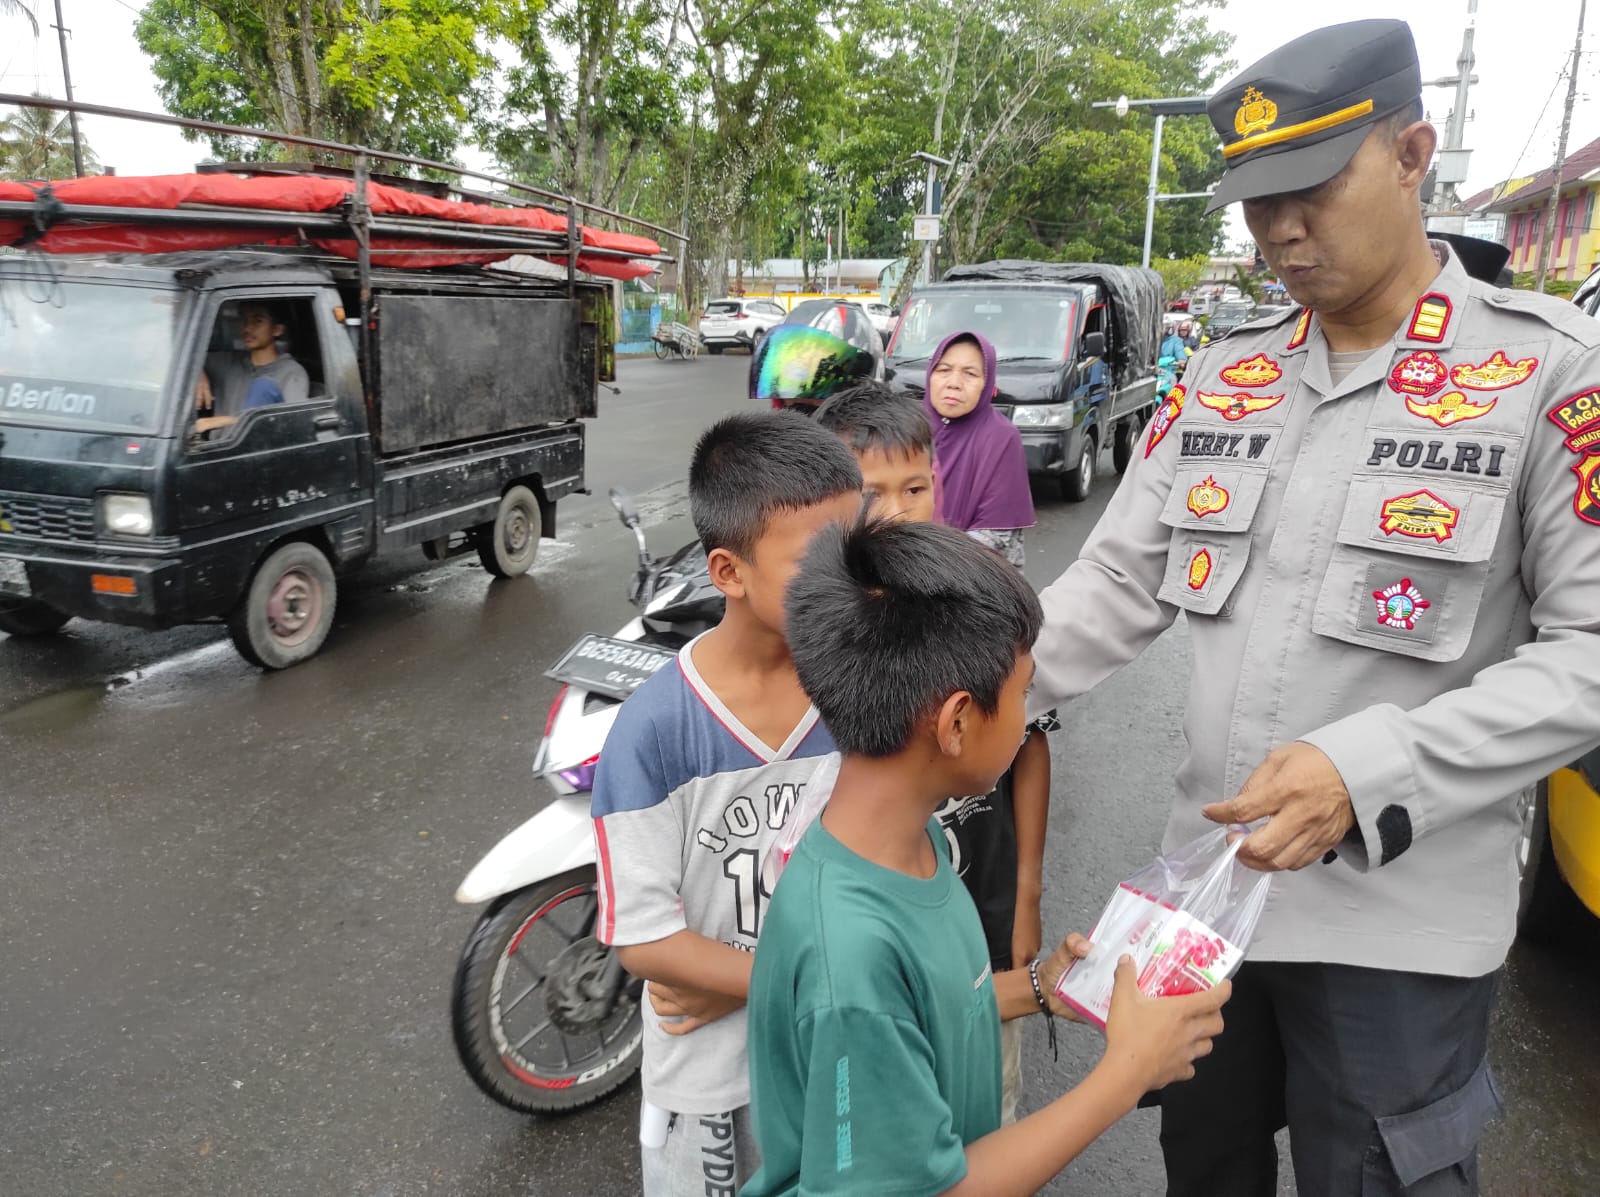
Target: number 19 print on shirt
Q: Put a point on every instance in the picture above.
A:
(687, 802)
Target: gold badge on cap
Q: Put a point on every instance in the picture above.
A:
(1255, 113)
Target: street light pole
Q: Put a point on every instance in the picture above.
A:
(1163, 108)
(1150, 197)
(927, 210)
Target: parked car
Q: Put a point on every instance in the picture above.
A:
(1076, 345)
(1229, 315)
(881, 315)
(738, 323)
(1587, 296)
(1559, 852)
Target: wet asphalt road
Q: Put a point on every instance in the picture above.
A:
(226, 921)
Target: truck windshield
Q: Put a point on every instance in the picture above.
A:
(1024, 325)
(84, 355)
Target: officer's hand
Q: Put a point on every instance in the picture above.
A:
(1302, 797)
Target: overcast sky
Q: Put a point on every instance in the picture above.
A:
(1516, 105)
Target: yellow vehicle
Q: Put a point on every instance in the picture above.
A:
(1559, 852)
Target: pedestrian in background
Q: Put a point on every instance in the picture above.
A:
(1380, 515)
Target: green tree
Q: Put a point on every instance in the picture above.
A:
(595, 88)
(1180, 274)
(398, 75)
(36, 143)
(8, 7)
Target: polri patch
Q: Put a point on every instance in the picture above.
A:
(1258, 371)
(1421, 515)
(1431, 318)
(1239, 405)
(1200, 570)
(1400, 605)
(1161, 423)
(1579, 418)
(1450, 408)
(1422, 373)
(1496, 374)
(1208, 498)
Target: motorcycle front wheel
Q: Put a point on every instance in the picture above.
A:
(542, 1020)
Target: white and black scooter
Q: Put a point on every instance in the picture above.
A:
(544, 1017)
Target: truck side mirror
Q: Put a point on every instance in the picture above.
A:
(625, 508)
(1094, 344)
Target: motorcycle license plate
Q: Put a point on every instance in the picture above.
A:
(13, 577)
(607, 666)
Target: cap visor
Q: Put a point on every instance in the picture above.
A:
(1288, 170)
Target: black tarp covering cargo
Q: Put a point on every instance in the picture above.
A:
(459, 367)
(1138, 298)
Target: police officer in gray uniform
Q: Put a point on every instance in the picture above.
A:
(1380, 515)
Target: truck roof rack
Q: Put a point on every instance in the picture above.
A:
(394, 222)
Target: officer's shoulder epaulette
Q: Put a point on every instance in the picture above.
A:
(1558, 314)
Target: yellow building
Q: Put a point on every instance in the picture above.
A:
(1523, 204)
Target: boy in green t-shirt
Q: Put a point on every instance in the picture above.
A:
(874, 1015)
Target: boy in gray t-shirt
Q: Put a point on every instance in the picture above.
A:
(236, 380)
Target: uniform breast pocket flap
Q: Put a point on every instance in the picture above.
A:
(1434, 518)
(1203, 570)
(1216, 497)
(1408, 571)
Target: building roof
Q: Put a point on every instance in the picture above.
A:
(1514, 193)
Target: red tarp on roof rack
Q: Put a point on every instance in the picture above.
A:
(297, 193)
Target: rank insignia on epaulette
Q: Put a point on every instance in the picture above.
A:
(1421, 515)
(1431, 318)
(1237, 406)
(1400, 605)
(1448, 409)
(1258, 371)
(1302, 329)
(1421, 373)
(1495, 374)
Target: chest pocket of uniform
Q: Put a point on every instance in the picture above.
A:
(1409, 565)
(1210, 509)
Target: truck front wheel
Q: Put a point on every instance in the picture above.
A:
(29, 617)
(507, 548)
(1076, 484)
(1122, 445)
(286, 613)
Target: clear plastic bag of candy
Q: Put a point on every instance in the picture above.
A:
(1186, 919)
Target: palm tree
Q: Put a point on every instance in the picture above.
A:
(36, 143)
(11, 6)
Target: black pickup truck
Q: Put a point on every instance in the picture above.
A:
(458, 430)
(1076, 347)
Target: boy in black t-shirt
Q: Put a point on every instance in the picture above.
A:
(996, 839)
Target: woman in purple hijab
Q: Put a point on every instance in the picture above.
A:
(982, 479)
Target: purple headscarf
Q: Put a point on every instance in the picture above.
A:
(982, 474)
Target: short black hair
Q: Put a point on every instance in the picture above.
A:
(873, 415)
(748, 467)
(1401, 119)
(276, 312)
(886, 620)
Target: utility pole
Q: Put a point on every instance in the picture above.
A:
(1450, 168)
(66, 75)
(1548, 245)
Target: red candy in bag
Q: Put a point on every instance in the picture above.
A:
(1186, 919)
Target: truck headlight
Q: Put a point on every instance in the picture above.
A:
(126, 515)
(1041, 415)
